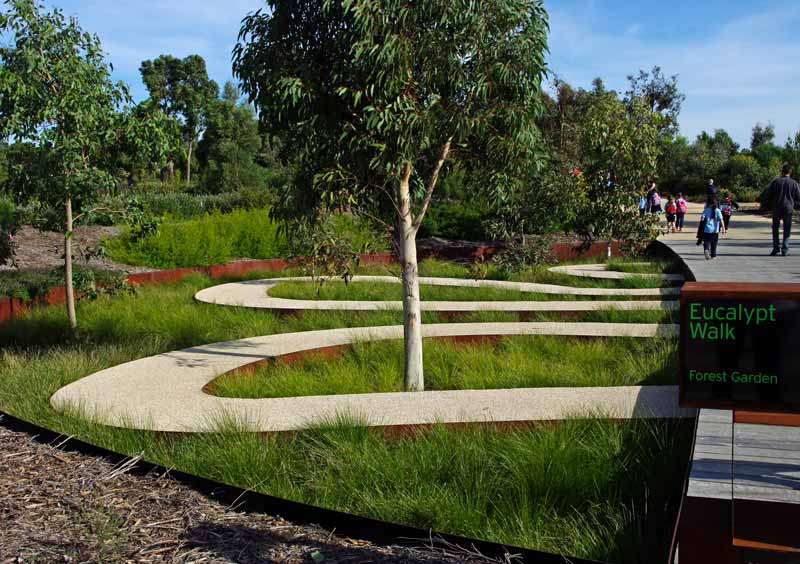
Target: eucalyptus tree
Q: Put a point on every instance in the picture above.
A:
(620, 150)
(377, 99)
(57, 94)
(182, 89)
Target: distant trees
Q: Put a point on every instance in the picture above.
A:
(182, 89)
(659, 94)
(231, 144)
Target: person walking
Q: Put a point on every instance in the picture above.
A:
(726, 206)
(783, 194)
(683, 207)
(672, 211)
(712, 224)
(649, 195)
(711, 191)
(655, 202)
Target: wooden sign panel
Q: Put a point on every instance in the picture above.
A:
(740, 346)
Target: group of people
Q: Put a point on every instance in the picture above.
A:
(782, 196)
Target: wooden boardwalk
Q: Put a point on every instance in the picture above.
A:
(745, 476)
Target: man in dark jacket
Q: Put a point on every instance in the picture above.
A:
(784, 194)
(711, 191)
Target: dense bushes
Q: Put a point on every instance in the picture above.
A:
(211, 239)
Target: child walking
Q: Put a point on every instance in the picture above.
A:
(726, 206)
(682, 209)
(672, 211)
(712, 224)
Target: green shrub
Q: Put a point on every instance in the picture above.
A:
(455, 220)
(211, 239)
(26, 285)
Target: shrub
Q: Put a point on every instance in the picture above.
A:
(211, 239)
(9, 223)
(26, 285)
(462, 219)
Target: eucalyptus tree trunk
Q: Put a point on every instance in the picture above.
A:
(189, 162)
(413, 377)
(68, 286)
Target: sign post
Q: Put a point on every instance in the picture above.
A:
(740, 347)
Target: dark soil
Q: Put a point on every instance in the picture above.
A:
(39, 250)
(63, 506)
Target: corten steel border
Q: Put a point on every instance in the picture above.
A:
(766, 525)
(11, 308)
(731, 290)
(344, 524)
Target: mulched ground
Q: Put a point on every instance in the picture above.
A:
(58, 506)
(43, 250)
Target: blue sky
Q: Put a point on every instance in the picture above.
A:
(738, 61)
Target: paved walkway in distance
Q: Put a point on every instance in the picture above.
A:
(766, 458)
(742, 255)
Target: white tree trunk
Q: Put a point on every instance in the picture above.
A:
(189, 162)
(413, 375)
(69, 290)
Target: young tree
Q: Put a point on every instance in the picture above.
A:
(181, 88)
(57, 94)
(376, 98)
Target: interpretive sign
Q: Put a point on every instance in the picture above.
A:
(740, 346)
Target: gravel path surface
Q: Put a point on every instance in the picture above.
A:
(39, 250)
(70, 507)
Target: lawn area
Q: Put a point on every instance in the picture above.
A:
(562, 488)
(378, 367)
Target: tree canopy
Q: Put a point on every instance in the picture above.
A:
(377, 98)
(182, 89)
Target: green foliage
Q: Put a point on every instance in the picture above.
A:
(743, 174)
(620, 147)
(56, 94)
(522, 254)
(230, 145)
(211, 239)
(460, 219)
(357, 90)
(181, 89)
(659, 94)
(9, 223)
(762, 135)
(26, 285)
(320, 253)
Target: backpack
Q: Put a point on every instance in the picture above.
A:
(656, 200)
(726, 208)
(671, 208)
(681, 206)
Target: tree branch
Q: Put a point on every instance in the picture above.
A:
(432, 183)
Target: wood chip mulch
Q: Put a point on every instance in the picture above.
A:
(68, 507)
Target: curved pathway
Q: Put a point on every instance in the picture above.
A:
(602, 272)
(165, 392)
(255, 294)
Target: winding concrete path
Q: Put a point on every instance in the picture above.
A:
(601, 271)
(255, 294)
(165, 392)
